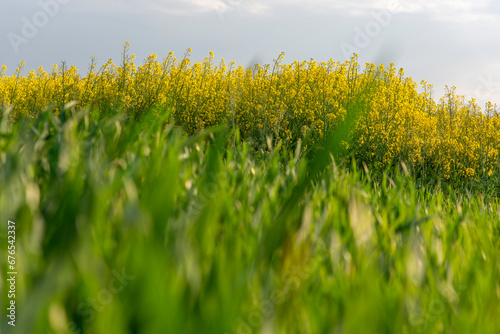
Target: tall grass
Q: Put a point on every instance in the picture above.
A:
(208, 235)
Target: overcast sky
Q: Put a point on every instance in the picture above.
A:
(444, 42)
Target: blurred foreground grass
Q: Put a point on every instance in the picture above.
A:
(135, 228)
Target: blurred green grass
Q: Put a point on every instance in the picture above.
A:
(133, 227)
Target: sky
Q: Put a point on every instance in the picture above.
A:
(443, 42)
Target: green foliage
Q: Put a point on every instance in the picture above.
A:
(133, 227)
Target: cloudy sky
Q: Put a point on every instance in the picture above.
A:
(444, 42)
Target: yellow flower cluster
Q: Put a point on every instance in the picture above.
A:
(400, 119)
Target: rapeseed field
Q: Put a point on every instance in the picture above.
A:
(310, 197)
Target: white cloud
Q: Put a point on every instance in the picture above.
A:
(440, 10)
(196, 7)
(451, 10)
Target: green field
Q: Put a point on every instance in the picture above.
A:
(135, 227)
